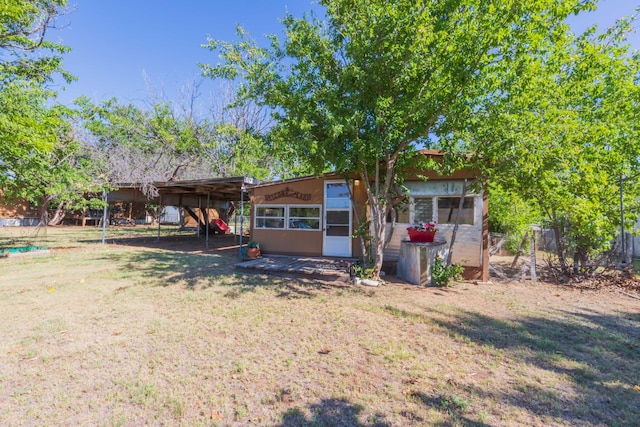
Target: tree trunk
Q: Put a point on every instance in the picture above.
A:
(580, 258)
(379, 222)
(457, 222)
(628, 253)
(59, 215)
(560, 251)
(378, 217)
(43, 214)
(520, 249)
(356, 217)
(155, 214)
(532, 248)
(498, 246)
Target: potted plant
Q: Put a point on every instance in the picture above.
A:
(252, 250)
(422, 232)
(362, 274)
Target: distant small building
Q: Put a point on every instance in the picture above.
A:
(17, 213)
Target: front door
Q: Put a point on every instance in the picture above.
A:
(337, 219)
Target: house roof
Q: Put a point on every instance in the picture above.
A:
(430, 153)
(289, 180)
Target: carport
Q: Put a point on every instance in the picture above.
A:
(189, 194)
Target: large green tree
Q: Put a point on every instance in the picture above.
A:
(27, 61)
(361, 92)
(26, 53)
(568, 138)
(63, 175)
(37, 156)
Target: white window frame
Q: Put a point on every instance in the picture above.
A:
(287, 217)
(256, 217)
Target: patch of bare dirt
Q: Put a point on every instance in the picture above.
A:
(610, 280)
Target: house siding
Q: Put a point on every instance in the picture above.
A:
(17, 213)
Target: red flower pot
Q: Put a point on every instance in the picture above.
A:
(421, 236)
(253, 253)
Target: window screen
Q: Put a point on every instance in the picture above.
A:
(422, 209)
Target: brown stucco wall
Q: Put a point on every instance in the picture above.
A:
(15, 209)
(308, 191)
(288, 242)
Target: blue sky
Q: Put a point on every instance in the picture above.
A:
(115, 43)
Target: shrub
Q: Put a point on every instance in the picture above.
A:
(442, 274)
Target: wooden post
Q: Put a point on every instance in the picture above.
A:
(207, 216)
(534, 277)
(105, 199)
(159, 215)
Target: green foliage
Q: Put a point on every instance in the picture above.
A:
(565, 137)
(453, 402)
(168, 142)
(364, 270)
(60, 174)
(25, 123)
(23, 25)
(442, 274)
(39, 159)
(510, 215)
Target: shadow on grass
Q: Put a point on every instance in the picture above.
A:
(176, 241)
(598, 353)
(450, 407)
(198, 269)
(329, 412)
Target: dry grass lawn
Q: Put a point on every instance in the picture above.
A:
(140, 332)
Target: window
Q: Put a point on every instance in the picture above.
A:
(291, 217)
(304, 218)
(270, 216)
(448, 209)
(422, 209)
(337, 196)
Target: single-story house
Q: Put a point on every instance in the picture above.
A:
(17, 213)
(313, 216)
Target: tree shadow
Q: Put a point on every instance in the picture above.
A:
(196, 269)
(444, 404)
(179, 242)
(330, 412)
(598, 353)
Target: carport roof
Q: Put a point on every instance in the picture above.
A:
(225, 189)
